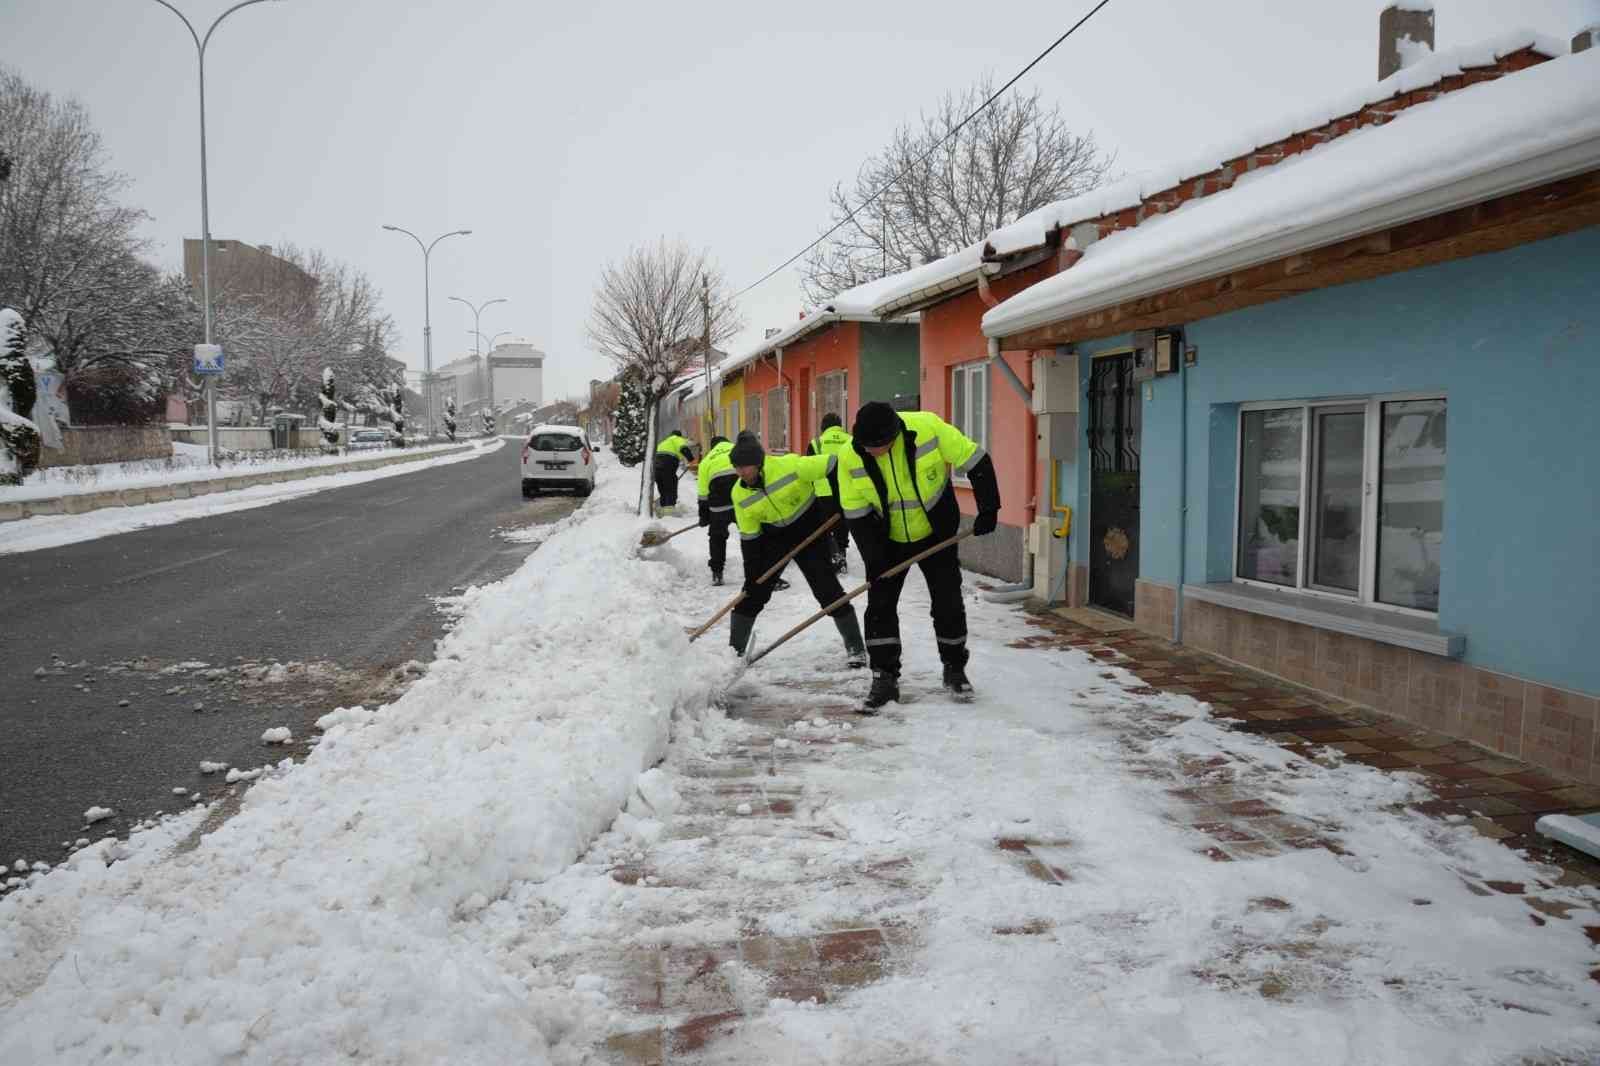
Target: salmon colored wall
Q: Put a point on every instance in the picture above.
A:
(835, 347)
(952, 334)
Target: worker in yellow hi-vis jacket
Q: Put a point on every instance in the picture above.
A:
(894, 489)
(774, 503)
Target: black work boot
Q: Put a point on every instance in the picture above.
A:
(885, 687)
(779, 584)
(739, 627)
(716, 577)
(955, 679)
(855, 651)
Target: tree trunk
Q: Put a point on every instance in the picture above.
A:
(647, 462)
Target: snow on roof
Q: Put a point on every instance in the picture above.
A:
(852, 305)
(1538, 125)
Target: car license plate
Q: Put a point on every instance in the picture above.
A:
(555, 466)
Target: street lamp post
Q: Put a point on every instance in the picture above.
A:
(476, 326)
(205, 205)
(427, 312)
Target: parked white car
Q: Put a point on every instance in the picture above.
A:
(557, 457)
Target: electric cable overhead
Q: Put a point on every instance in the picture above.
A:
(1018, 76)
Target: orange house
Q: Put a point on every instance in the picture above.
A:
(959, 384)
(834, 359)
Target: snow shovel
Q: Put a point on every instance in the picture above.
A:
(762, 580)
(654, 537)
(847, 597)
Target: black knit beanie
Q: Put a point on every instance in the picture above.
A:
(718, 440)
(830, 420)
(747, 450)
(876, 425)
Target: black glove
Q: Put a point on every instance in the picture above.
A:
(705, 513)
(984, 523)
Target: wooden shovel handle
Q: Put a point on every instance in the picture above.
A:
(832, 521)
(847, 597)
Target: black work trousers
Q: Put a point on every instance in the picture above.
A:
(717, 534)
(942, 570)
(666, 474)
(815, 565)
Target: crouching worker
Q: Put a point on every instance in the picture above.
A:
(774, 504)
(672, 449)
(894, 489)
(716, 501)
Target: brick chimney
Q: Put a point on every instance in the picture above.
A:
(1586, 39)
(1404, 19)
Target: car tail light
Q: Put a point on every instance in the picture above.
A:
(586, 457)
(524, 456)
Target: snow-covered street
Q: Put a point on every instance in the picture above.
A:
(579, 839)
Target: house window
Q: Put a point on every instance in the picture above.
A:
(752, 413)
(832, 396)
(778, 419)
(969, 400)
(1344, 498)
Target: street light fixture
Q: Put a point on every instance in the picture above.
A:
(427, 310)
(200, 44)
(476, 326)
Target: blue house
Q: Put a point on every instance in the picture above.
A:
(1338, 401)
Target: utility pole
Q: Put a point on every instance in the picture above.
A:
(708, 424)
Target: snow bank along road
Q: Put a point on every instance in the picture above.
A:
(260, 617)
(494, 869)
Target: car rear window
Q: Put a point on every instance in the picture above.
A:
(555, 442)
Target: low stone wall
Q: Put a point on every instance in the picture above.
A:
(254, 438)
(1550, 727)
(182, 490)
(999, 555)
(83, 445)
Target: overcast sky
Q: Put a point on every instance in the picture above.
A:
(564, 134)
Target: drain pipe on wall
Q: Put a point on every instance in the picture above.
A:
(1183, 491)
(1010, 593)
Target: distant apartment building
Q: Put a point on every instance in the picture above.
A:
(244, 272)
(516, 374)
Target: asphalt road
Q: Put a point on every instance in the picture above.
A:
(261, 618)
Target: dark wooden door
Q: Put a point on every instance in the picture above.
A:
(1114, 435)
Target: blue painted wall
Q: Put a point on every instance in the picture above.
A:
(1513, 340)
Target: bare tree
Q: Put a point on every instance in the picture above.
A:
(280, 341)
(1017, 155)
(648, 319)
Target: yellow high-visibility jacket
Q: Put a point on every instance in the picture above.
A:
(716, 479)
(915, 473)
(785, 496)
(833, 441)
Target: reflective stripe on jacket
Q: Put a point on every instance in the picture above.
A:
(717, 476)
(916, 475)
(834, 441)
(785, 495)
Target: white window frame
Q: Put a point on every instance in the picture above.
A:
(977, 369)
(819, 399)
(782, 395)
(1371, 465)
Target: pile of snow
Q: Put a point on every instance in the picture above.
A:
(335, 915)
(97, 814)
(277, 735)
(189, 462)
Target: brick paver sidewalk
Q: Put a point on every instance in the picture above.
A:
(765, 793)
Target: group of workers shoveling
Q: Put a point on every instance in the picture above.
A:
(886, 484)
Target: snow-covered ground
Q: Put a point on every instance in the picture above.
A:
(52, 531)
(434, 882)
(189, 462)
